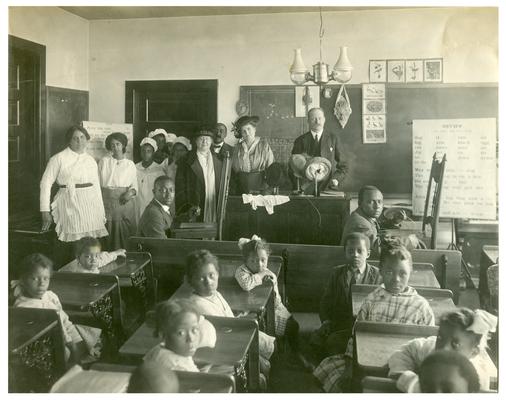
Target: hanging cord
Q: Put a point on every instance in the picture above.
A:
(322, 32)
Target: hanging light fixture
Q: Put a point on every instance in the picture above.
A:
(341, 72)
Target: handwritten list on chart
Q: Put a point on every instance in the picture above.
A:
(99, 131)
(470, 179)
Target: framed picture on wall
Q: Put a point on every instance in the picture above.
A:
(433, 70)
(396, 71)
(377, 71)
(414, 71)
(374, 129)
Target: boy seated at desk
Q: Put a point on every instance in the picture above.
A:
(394, 301)
(90, 258)
(336, 311)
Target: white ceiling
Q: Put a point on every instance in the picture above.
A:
(93, 13)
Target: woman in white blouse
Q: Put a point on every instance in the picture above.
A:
(77, 208)
(251, 157)
(118, 178)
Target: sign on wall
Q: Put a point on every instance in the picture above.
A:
(470, 180)
(99, 131)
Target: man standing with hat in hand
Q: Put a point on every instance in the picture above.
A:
(219, 147)
(198, 178)
(320, 143)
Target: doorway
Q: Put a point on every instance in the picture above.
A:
(178, 106)
(26, 121)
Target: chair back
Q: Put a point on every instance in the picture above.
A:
(436, 183)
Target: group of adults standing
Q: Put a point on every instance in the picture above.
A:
(108, 199)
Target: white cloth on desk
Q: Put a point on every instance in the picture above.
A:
(104, 258)
(268, 201)
(76, 380)
(117, 173)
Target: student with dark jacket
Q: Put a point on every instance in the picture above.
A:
(336, 311)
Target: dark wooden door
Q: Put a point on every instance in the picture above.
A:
(179, 107)
(26, 153)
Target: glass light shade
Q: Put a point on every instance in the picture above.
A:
(343, 69)
(298, 70)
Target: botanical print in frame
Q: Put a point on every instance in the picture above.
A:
(414, 71)
(377, 70)
(433, 70)
(395, 71)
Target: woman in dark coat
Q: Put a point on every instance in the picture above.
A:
(198, 179)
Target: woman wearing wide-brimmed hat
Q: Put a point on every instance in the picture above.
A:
(251, 157)
(198, 179)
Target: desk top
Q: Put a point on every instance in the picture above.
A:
(239, 300)
(27, 325)
(440, 300)
(124, 268)
(491, 252)
(233, 339)
(376, 342)
(79, 296)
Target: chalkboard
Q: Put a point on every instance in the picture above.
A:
(98, 133)
(65, 107)
(386, 165)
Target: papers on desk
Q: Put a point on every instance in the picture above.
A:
(333, 193)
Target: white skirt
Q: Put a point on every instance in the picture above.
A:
(79, 217)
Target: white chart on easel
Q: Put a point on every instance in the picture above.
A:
(99, 131)
(470, 180)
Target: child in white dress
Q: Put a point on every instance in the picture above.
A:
(463, 331)
(202, 273)
(31, 290)
(90, 258)
(255, 272)
(183, 330)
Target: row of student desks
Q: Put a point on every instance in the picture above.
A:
(237, 338)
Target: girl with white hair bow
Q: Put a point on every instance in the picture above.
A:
(464, 331)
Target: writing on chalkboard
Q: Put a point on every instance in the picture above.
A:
(99, 131)
(470, 182)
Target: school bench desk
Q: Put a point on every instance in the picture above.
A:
(309, 266)
(376, 341)
(107, 378)
(36, 349)
(489, 256)
(236, 346)
(91, 299)
(302, 220)
(440, 300)
(259, 301)
(422, 275)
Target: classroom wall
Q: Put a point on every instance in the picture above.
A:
(66, 37)
(258, 49)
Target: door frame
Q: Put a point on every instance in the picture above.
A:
(39, 53)
(134, 88)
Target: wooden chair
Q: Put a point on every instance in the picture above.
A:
(200, 230)
(36, 349)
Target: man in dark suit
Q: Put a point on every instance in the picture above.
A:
(194, 186)
(319, 143)
(219, 146)
(156, 218)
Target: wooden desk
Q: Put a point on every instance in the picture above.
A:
(36, 349)
(303, 220)
(259, 300)
(489, 256)
(82, 294)
(422, 275)
(189, 382)
(440, 300)
(236, 345)
(375, 342)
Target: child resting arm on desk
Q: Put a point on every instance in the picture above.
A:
(90, 258)
(464, 331)
(394, 301)
(31, 290)
(255, 272)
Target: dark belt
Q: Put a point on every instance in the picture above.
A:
(77, 185)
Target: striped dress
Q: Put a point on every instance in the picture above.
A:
(77, 211)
